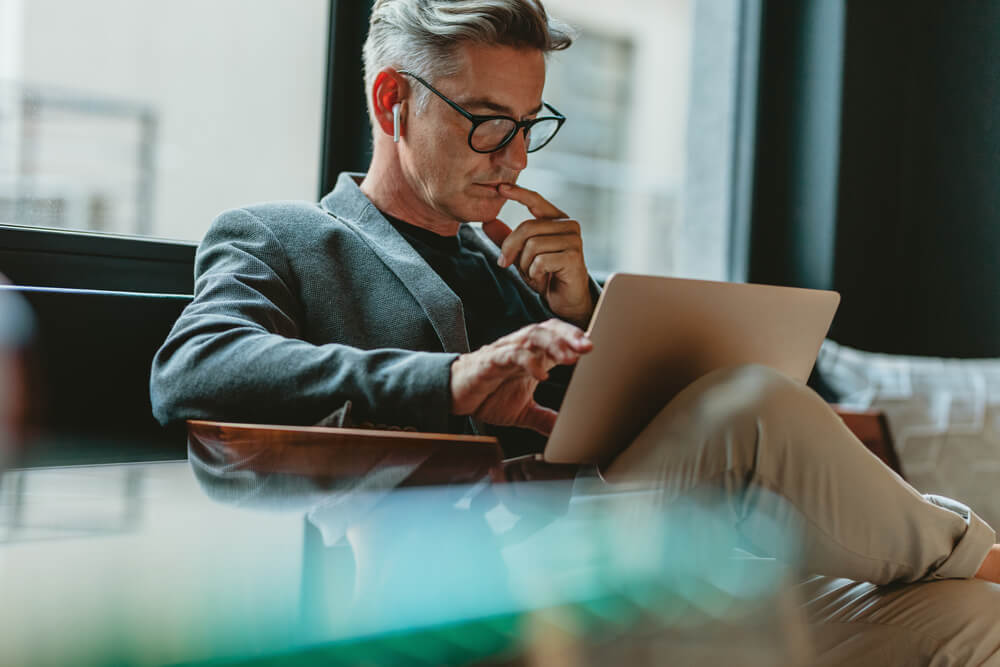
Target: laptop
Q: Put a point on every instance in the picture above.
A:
(654, 336)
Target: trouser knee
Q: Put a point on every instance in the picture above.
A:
(747, 402)
(723, 423)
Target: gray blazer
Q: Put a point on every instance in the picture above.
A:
(299, 308)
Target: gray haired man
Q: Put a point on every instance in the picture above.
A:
(382, 298)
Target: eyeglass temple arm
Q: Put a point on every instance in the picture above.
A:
(437, 92)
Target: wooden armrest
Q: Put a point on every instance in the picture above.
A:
(336, 453)
(872, 428)
(340, 453)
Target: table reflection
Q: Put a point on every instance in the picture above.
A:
(196, 561)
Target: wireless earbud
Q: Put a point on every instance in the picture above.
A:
(395, 122)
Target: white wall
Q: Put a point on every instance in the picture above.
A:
(238, 88)
(11, 24)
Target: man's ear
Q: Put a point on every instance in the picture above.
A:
(388, 90)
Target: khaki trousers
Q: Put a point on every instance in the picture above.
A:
(892, 567)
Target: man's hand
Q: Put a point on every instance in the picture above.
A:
(548, 252)
(496, 383)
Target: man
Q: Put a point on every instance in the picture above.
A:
(382, 302)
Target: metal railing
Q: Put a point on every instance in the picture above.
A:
(76, 159)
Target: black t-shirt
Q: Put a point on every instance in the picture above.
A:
(493, 308)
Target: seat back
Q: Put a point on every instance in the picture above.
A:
(89, 363)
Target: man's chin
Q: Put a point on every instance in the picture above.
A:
(480, 210)
(488, 212)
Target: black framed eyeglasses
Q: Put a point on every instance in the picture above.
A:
(491, 133)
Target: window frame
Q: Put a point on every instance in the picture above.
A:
(83, 259)
(346, 126)
(157, 265)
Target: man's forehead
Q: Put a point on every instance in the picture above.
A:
(496, 79)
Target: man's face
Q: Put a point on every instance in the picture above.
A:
(444, 172)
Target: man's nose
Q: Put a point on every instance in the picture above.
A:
(515, 154)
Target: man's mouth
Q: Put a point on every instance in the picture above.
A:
(493, 185)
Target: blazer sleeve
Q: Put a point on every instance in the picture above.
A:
(236, 354)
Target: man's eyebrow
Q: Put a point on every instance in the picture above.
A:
(484, 103)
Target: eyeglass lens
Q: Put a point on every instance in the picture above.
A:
(490, 135)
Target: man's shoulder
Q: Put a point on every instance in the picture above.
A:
(276, 214)
(282, 209)
(285, 219)
(293, 219)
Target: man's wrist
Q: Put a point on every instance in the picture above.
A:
(579, 318)
(456, 380)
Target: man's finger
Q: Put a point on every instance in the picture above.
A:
(510, 361)
(561, 340)
(564, 347)
(539, 206)
(497, 230)
(545, 265)
(573, 334)
(538, 418)
(539, 352)
(514, 243)
(543, 344)
(550, 331)
(544, 245)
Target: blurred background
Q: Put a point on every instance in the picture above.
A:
(837, 144)
(841, 144)
(150, 118)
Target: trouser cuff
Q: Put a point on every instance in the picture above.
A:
(971, 549)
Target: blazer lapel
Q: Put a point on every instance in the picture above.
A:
(442, 306)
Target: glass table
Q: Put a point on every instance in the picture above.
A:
(178, 562)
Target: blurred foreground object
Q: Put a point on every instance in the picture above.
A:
(15, 335)
(144, 563)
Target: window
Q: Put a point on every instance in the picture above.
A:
(150, 117)
(644, 159)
